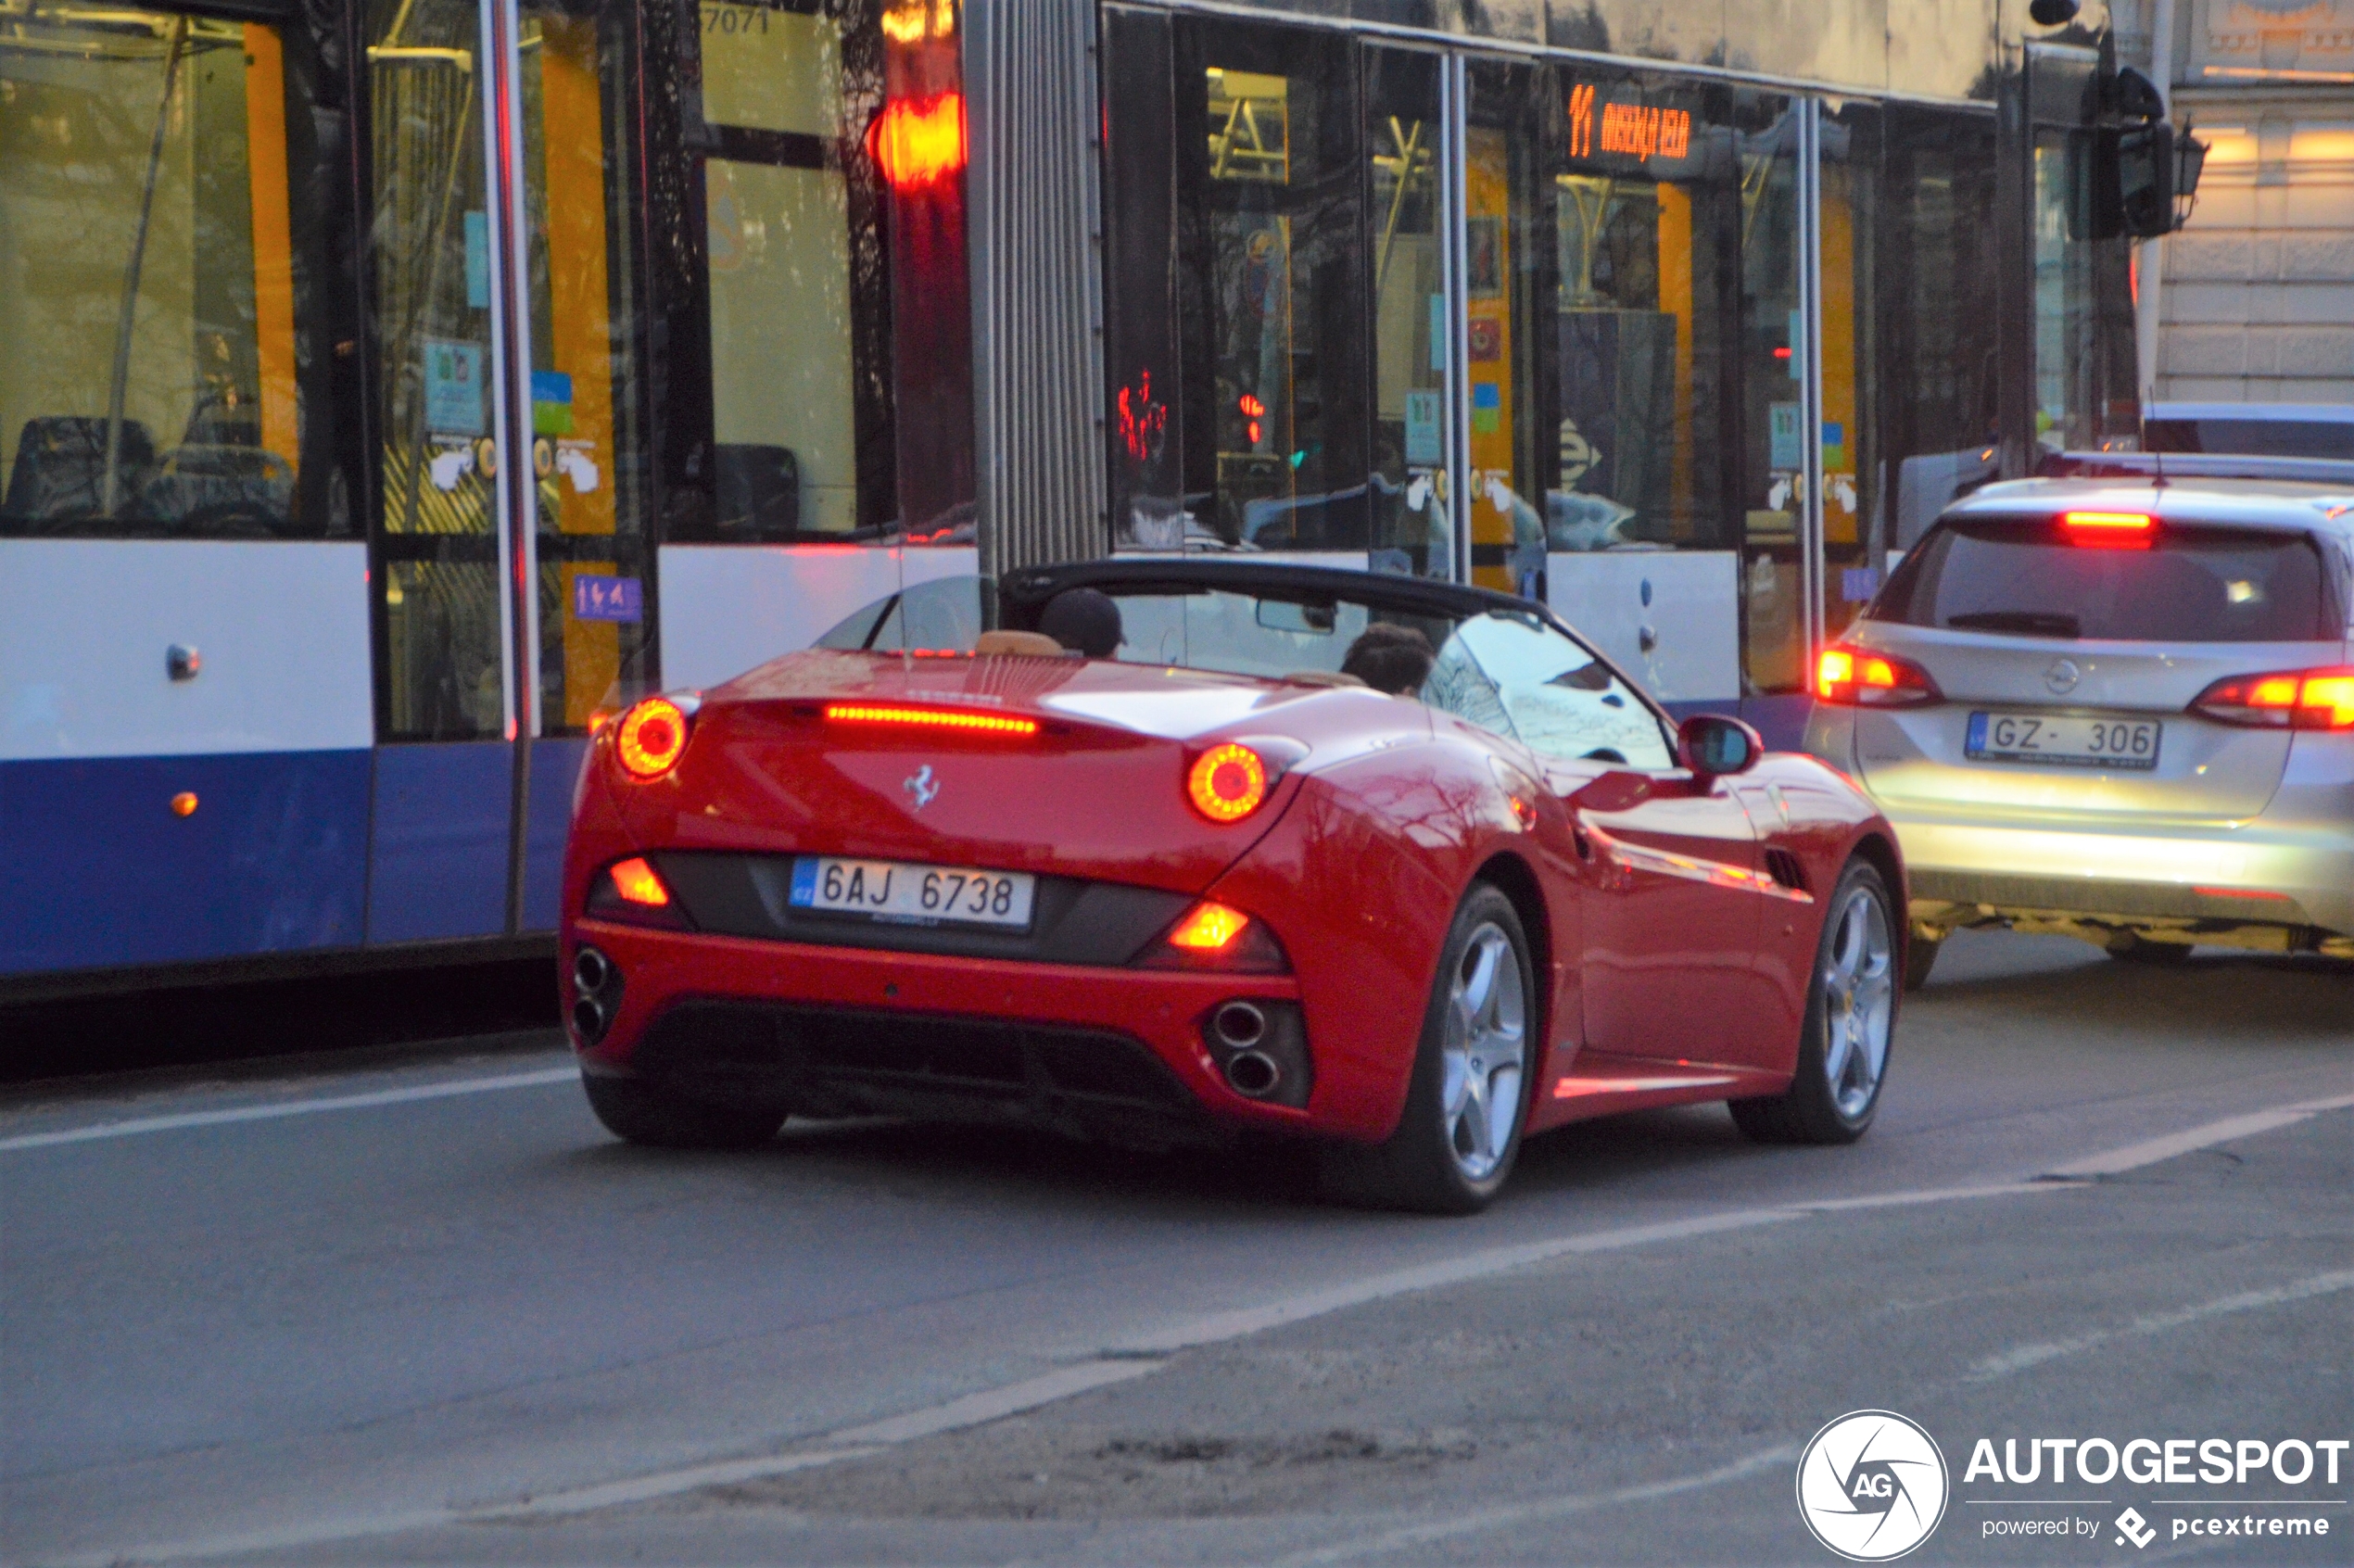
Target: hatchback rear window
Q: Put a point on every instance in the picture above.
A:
(2024, 578)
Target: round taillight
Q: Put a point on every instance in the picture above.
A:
(1227, 782)
(651, 737)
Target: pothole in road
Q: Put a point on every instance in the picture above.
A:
(1034, 1473)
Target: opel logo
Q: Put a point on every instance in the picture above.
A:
(921, 787)
(2062, 676)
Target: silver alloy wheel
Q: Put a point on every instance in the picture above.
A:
(1859, 993)
(1486, 1052)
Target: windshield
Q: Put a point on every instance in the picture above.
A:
(2025, 578)
(1509, 672)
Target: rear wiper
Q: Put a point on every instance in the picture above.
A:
(2026, 623)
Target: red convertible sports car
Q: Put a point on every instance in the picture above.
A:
(1193, 850)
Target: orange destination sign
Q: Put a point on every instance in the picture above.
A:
(1641, 131)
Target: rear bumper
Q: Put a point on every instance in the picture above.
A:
(1121, 1054)
(2216, 878)
(2277, 881)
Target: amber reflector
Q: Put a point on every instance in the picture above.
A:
(652, 736)
(184, 803)
(1209, 927)
(638, 882)
(1227, 782)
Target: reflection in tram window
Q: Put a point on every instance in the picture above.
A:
(831, 163)
(1270, 187)
(154, 381)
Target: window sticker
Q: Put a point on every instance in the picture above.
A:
(453, 388)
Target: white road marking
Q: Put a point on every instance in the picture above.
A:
(2028, 1356)
(1526, 1514)
(2135, 1155)
(1143, 1354)
(146, 1124)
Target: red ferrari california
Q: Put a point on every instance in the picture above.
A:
(1193, 850)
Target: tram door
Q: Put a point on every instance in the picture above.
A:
(508, 561)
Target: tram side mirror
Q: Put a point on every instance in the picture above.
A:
(1717, 747)
(2146, 180)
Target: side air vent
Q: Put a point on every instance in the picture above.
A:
(1784, 867)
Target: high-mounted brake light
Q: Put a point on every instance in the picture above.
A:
(2284, 700)
(2109, 530)
(928, 718)
(1858, 676)
(1227, 783)
(652, 736)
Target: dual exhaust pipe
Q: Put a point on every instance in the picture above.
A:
(1241, 1027)
(596, 984)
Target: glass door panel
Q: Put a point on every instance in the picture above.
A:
(1508, 295)
(1406, 147)
(1769, 367)
(1270, 197)
(587, 424)
(445, 675)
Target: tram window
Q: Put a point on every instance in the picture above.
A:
(1270, 302)
(148, 244)
(1411, 531)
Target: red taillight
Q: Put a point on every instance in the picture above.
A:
(2109, 530)
(637, 882)
(928, 718)
(1227, 783)
(652, 736)
(2283, 700)
(1858, 676)
(1211, 936)
(632, 891)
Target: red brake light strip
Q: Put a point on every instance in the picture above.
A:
(928, 718)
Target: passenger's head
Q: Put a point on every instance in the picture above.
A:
(1083, 620)
(1390, 658)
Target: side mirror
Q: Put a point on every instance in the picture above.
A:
(1717, 747)
(1614, 791)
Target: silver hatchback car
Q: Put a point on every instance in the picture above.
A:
(2116, 711)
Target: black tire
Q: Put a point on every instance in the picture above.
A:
(1920, 957)
(1811, 1110)
(2132, 948)
(1420, 1168)
(637, 1112)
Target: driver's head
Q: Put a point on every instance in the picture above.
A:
(1083, 620)
(1390, 658)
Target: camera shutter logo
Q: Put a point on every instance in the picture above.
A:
(1872, 1485)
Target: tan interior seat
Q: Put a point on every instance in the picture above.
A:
(1321, 678)
(1030, 644)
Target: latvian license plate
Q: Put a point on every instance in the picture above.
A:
(2064, 741)
(899, 891)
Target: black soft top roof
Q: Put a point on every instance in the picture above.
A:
(1022, 594)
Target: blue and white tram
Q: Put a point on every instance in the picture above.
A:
(388, 388)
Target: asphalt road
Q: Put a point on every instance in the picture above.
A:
(428, 1312)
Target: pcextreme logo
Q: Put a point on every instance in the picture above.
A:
(1872, 1485)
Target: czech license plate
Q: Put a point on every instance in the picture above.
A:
(2064, 741)
(900, 890)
